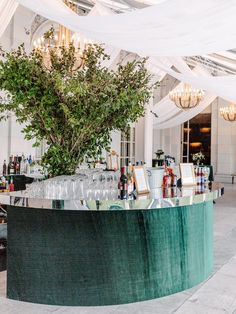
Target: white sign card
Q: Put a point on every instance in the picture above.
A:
(187, 174)
(141, 181)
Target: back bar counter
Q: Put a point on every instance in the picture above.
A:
(109, 252)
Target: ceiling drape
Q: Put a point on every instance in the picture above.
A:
(170, 28)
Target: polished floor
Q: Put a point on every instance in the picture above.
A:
(217, 295)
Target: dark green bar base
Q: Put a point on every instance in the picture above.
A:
(107, 257)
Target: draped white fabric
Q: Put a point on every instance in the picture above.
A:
(223, 86)
(181, 116)
(7, 10)
(113, 52)
(170, 28)
(168, 114)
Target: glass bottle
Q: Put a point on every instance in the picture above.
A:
(4, 168)
(11, 167)
(11, 185)
(123, 184)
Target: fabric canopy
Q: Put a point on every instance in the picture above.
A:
(7, 10)
(170, 28)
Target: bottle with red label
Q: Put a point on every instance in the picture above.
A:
(11, 185)
(165, 178)
(123, 184)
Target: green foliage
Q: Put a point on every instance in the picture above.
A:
(73, 107)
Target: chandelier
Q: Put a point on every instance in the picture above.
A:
(62, 37)
(229, 113)
(187, 97)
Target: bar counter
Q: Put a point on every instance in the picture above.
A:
(92, 252)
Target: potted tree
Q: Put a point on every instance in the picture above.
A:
(73, 109)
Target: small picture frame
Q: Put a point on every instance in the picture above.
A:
(187, 174)
(141, 180)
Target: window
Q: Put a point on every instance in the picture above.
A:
(127, 146)
(196, 137)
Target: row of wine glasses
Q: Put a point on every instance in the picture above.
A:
(87, 185)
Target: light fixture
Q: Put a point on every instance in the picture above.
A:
(187, 97)
(187, 129)
(195, 144)
(205, 130)
(229, 113)
(63, 37)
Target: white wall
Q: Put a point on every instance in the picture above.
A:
(223, 141)
(12, 140)
(169, 140)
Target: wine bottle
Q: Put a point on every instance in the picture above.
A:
(4, 168)
(17, 165)
(11, 168)
(123, 184)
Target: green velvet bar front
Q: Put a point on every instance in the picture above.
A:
(69, 257)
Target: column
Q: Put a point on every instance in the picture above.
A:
(148, 133)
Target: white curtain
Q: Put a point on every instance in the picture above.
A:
(170, 28)
(7, 10)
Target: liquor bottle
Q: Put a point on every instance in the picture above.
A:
(172, 177)
(11, 168)
(22, 164)
(198, 175)
(11, 185)
(123, 185)
(4, 168)
(165, 178)
(30, 160)
(27, 166)
(17, 165)
(202, 177)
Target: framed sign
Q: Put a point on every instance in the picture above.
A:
(187, 174)
(141, 180)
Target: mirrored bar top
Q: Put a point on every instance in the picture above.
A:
(157, 198)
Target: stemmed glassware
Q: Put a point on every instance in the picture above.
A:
(89, 184)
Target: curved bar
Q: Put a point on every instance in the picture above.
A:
(158, 198)
(107, 257)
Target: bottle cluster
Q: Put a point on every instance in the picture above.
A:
(5, 185)
(201, 175)
(17, 165)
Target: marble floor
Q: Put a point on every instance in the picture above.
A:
(217, 295)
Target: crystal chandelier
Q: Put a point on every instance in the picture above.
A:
(187, 97)
(63, 37)
(229, 113)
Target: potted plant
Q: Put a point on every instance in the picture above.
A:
(198, 157)
(73, 109)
